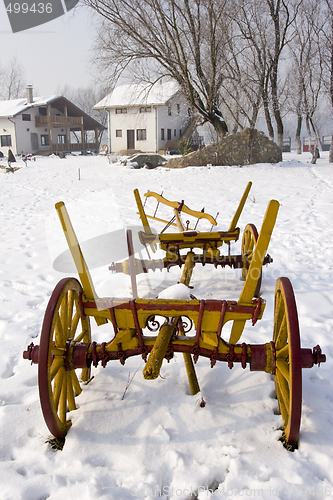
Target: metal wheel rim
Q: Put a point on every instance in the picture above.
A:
(58, 386)
(288, 376)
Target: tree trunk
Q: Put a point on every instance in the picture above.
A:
(219, 125)
(312, 149)
(279, 141)
(269, 124)
(276, 107)
(298, 135)
(268, 117)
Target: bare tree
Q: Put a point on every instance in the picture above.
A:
(246, 84)
(183, 39)
(267, 28)
(13, 82)
(282, 15)
(328, 39)
(305, 84)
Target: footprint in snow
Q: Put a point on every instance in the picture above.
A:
(318, 379)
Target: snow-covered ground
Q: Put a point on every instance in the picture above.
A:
(153, 440)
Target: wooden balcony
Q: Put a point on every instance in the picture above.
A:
(75, 146)
(61, 121)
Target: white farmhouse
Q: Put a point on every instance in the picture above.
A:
(45, 125)
(147, 118)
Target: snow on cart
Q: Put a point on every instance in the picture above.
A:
(67, 352)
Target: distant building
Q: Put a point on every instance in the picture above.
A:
(148, 118)
(45, 125)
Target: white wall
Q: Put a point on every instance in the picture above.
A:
(132, 120)
(152, 122)
(8, 128)
(177, 121)
(22, 130)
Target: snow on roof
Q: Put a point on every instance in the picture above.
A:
(16, 106)
(139, 95)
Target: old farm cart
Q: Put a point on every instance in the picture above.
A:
(209, 243)
(66, 351)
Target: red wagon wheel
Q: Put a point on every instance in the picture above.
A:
(58, 381)
(288, 376)
(250, 238)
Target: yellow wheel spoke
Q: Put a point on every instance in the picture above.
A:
(60, 339)
(57, 363)
(278, 311)
(282, 334)
(81, 336)
(56, 351)
(76, 383)
(63, 401)
(85, 375)
(247, 241)
(64, 315)
(283, 409)
(57, 386)
(283, 367)
(283, 353)
(75, 322)
(71, 297)
(70, 393)
(284, 388)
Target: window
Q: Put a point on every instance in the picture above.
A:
(162, 134)
(26, 117)
(169, 110)
(6, 140)
(119, 133)
(178, 109)
(62, 139)
(141, 134)
(174, 132)
(42, 111)
(145, 109)
(120, 111)
(169, 134)
(44, 140)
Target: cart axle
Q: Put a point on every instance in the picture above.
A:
(143, 266)
(259, 356)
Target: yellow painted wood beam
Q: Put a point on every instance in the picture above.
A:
(185, 209)
(253, 274)
(239, 210)
(80, 263)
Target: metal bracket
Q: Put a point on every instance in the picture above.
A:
(231, 357)
(256, 312)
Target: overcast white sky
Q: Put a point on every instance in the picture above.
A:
(53, 54)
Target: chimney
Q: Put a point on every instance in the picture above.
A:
(30, 98)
